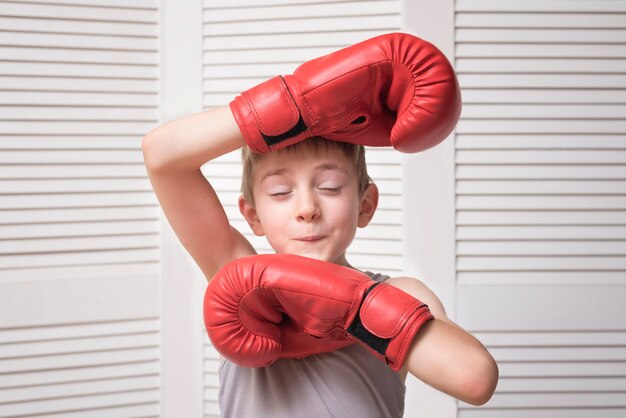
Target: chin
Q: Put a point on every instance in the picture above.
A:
(312, 254)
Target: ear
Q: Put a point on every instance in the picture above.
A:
(368, 205)
(248, 211)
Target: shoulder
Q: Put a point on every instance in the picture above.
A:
(419, 290)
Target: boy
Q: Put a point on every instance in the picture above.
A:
(307, 195)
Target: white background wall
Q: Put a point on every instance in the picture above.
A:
(517, 222)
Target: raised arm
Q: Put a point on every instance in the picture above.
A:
(173, 154)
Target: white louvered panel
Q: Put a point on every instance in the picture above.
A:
(102, 369)
(537, 149)
(247, 42)
(211, 379)
(557, 372)
(79, 297)
(540, 202)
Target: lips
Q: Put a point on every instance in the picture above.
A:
(310, 238)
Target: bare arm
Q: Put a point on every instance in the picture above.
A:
(173, 154)
(445, 356)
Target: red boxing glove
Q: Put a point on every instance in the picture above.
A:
(393, 89)
(245, 304)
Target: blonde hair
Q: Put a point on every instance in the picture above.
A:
(354, 153)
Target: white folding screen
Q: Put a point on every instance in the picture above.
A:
(540, 185)
(79, 310)
(249, 41)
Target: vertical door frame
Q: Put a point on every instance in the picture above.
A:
(182, 282)
(429, 205)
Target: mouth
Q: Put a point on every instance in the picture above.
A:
(310, 238)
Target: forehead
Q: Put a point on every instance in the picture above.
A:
(302, 159)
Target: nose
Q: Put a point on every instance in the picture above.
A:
(307, 208)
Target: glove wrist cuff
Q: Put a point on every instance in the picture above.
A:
(268, 116)
(387, 322)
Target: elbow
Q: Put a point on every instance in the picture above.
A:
(150, 153)
(481, 382)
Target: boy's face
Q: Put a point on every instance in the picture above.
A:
(307, 203)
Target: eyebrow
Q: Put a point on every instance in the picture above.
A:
(320, 167)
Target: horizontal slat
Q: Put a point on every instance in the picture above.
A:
(68, 243)
(566, 142)
(541, 187)
(590, 127)
(221, 4)
(93, 113)
(387, 22)
(541, 65)
(563, 353)
(555, 50)
(273, 41)
(558, 400)
(42, 216)
(76, 128)
(76, 56)
(565, 412)
(526, 232)
(541, 248)
(152, 409)
(84, 403)
(70, 156)
(70, 375)
(541, 263)
(67, 25)
(576, 94)
(541, 278)
(518, 217)
(73, 331)
(522, 170)
(74, 229)
(26, 350)
(76, 98)
(574, 81)
(564, 369)
(74, 360)
(540, 20)
(552, 339)
(77, 70)
(297, 11)
(541, 111)
(569, 157)
(135, 4)
(251, 63)
(587, 36)
(123, 14)
(76, 84)
(91, 142)
(74, 186)
(535, 6)
(77, 200)
(134, 254)
(65, 170)
(65, 272)
(82, 41)
(541, 203)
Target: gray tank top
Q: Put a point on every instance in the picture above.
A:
(349, 382)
